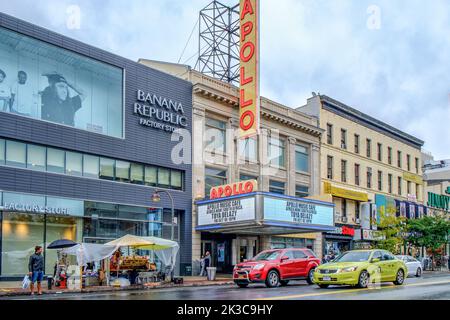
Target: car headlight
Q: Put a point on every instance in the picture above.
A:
(349, 269)
(259, 266)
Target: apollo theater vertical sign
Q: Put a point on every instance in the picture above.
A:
(249, 78)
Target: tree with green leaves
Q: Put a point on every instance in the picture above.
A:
(391, 228)
(431, 232)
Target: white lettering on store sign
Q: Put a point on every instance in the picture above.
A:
(301, 212)
(35, 209)
(227, 211)
(159, 113)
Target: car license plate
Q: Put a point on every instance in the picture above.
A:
(326, 278)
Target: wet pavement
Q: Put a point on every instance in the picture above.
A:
(429, 287)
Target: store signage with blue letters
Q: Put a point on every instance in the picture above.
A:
(299, 212)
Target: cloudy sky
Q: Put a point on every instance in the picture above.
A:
(387, 58)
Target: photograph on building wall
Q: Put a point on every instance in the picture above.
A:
(41, 81)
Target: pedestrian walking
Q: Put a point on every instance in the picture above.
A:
(206, 262)
(36, 269)
(202, 266)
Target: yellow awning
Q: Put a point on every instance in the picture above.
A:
(345, 193)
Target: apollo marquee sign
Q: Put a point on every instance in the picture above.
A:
(159, 112)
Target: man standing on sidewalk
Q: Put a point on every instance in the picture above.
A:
(36, 269)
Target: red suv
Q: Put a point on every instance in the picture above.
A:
(277, 267)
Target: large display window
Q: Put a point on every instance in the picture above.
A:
(44, 82)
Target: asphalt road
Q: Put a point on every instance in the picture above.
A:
(429, 287)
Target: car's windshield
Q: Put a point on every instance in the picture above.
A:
(353, 256)
(266, 256)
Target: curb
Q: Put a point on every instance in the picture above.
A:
(113, 290)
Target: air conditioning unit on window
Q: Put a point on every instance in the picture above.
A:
(358, 221)
(369, 170)
(344, 219)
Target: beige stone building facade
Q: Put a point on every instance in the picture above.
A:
(363, 160)
(284, 159)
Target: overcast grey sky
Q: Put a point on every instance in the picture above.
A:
(391, 61)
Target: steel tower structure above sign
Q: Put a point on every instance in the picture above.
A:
(218, 54)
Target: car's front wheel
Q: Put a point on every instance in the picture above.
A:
(363, 280)
(400, 278)
(310, 278)
(419, 272)
(273, 279)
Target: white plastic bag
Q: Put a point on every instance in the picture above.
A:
(26, 282)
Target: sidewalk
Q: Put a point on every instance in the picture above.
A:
(8, 289)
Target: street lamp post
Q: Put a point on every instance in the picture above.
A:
(157, 198)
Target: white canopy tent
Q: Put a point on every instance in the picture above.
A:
(89, 252)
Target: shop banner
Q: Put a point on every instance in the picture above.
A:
(249, 75)
(299, 212)
(227, 211)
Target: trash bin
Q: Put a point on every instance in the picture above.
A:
(211, 273)
(49, 283)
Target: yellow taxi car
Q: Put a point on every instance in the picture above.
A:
(361, 267)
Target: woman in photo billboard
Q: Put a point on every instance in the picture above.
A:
(57, 103)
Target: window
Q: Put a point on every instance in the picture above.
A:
(344, 208)
(329, 133)
(276, 187)
(369, 148)
(214, 178)
(74, 164)
(357, 174)
(137, 173)
(2, 151)
(216, 136)
(399, 159)
(330, 167)
(417, 165)
(276, 152)
(357, 210)
(418, 192)
(301, 159)
(390, 183)
(16, 154)
(176, 180)
(408, 162)
(93, 101)
(163, 177)
(380, 152)
(343, 171)
(399, 186)
(55, 160)
(408, 187)
(369, 178)
(122, 171)
(91, 166)
(301, 191)
(107, 169)
(343, 139)
(248, 149)
(299, 255)
(151, 176)
(380, 181)
(389, 155)
(246, 177)
(36, 157)
(356, 143)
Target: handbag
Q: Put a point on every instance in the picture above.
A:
(26, 282)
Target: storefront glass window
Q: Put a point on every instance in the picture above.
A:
(151, 176)
(36, 158)
(176, 179)
(55, 160)
(137, 173)
(56, 85)
(163, 177)
(91, 166)
(2, 151)
(74, 164)
(107, 169)
(20, 234)
(122, 171)
(16, 154)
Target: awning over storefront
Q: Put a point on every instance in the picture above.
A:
(345, 193)
(263, 213)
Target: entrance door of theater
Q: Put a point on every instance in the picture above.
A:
(246, 248)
